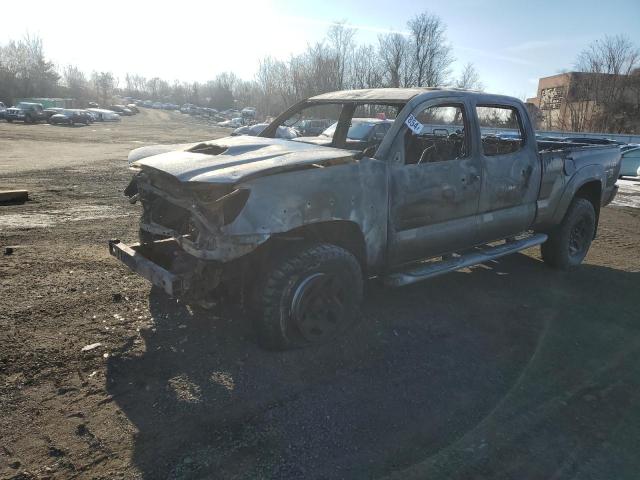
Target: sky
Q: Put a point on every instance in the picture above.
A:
(511, 43)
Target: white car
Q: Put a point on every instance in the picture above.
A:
(630, 162)
(233, 123)
(103, 115)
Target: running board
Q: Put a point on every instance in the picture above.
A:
(473, 257)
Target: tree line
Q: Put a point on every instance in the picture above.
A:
(419, 56)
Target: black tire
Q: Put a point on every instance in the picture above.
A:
(307, 296)
(569, 243)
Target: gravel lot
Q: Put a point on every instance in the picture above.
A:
(505, 370)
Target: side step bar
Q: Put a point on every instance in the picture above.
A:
(467, 259)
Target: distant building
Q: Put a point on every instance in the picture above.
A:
(579, 101)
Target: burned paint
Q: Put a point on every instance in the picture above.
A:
(220, 201)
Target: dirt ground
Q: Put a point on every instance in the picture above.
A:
(505, 370)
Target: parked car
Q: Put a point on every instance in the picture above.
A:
(248, 113)
(26, 112)
(255, 130)
(630, 162)
(70, 117)
(120, 110)
(104, 115)
(294, 228)
(233, 123)
(133, 107)
(362, 133)
(92, 115)
(3, 110)
(87, 114)
(312, 128)
(50, 111)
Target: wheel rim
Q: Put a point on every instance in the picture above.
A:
(579, 237)
(318, 306)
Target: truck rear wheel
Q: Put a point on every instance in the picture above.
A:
(307, 296)
(569, 243)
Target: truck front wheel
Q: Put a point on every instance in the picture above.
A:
(307, 296)
(569, 243)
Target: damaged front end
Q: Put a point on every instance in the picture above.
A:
(183, 247)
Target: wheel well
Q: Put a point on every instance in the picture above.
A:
(592, 191)
(342, 233)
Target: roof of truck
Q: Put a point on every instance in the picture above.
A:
(399, 95)
(375, 94)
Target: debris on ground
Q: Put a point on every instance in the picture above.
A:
(88, 348)
(14, 196)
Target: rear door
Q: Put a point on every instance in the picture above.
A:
(434, 183)
(510, 170)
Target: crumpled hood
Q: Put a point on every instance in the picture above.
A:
(234, 159)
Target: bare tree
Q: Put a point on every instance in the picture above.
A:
(393, 49)
(430, 53)
(469, 78)
(25, 70)
(76, 82)
(601, 97)
(104, 84)
(340, 37)
(367, 72)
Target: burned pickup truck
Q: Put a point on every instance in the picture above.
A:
(292, 227)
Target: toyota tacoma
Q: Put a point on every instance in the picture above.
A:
(291, 228)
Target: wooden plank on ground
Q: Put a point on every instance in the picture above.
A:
(13, 196)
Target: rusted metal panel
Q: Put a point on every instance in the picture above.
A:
(244, 157)
(174, 285)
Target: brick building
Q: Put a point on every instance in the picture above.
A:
(574, 101)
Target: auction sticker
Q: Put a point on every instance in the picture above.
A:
(413, 123)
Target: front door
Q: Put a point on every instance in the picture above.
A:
(435, 180)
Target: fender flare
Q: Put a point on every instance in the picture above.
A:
(581, 177)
